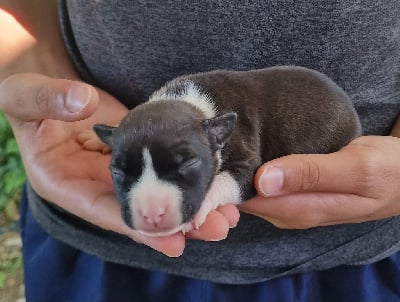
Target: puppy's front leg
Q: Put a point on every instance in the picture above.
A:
(223, 190)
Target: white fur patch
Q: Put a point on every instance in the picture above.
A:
(224, 190)
(219, 160)
(191, 94)
(153, 194)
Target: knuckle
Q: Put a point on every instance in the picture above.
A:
(370, 167)
(41, 97)
(308, 175)
(367, 169)
(6, 103)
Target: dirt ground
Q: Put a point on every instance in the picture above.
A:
(11, 276)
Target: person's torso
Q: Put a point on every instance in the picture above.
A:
(133, 47)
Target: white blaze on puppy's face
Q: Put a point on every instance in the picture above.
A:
(156, 205)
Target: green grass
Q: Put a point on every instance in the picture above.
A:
(12, 174)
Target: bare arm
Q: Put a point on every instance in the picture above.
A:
(30, 40)
(48, 108)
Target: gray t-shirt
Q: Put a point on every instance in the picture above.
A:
(130, 48)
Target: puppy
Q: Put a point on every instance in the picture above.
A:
(198, 141)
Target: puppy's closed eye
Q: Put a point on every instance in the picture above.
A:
(189, 165)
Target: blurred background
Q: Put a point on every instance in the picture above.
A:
(12, 177)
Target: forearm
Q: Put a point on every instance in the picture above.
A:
(30, 40)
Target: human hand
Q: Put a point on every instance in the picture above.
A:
(46, 116)
(356, 184)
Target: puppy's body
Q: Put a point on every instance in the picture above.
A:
(198, 141)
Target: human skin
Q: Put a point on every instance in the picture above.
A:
(48, 106)
(356, 184)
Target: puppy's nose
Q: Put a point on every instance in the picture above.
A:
(155, 212)
(153, 216)
(155, 219)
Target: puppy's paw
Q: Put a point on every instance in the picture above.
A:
(89, 141)
(187, 227)
(201, 215)
(224, 189)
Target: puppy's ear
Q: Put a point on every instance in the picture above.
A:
(219, 129)
(105, 133)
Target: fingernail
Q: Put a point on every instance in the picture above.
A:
(271, 181)
(78, 97)
(173, 254)
(217, 239)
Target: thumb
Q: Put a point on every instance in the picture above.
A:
(335, 172)
(32, 97)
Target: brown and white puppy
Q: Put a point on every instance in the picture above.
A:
(198, 141)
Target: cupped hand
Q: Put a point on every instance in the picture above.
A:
(46, 116)
(358, 183)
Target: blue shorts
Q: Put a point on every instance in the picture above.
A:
(55, 271)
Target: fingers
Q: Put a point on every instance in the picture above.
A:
(231, 214)
(31, 97)
(306, 210)
(358, 183)
(347, 171)
(105, 212)
(215, 228)
(293, 173)
(217, 224)
(171, 246)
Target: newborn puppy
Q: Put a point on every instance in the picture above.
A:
(198, 141)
